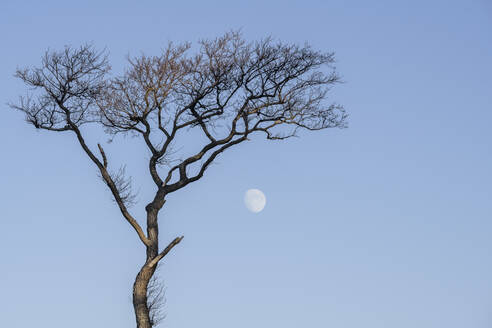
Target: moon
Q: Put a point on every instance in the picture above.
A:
(255, 200)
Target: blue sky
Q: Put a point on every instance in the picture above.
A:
(384, 224)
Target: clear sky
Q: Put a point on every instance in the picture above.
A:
(385, 224)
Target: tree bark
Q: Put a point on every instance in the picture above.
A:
(140, 297)
(140, 286)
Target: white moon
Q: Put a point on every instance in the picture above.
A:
(254, 200)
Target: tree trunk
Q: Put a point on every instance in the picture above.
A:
(140, 297)
(140, 287)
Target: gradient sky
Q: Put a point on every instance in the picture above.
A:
(385, 224)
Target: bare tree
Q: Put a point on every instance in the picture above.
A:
(228, 90)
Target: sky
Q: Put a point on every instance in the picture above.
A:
(384, 224)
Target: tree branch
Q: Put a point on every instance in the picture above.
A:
(166, 250)
(114, 190)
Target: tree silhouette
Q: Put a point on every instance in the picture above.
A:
(229, 89)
